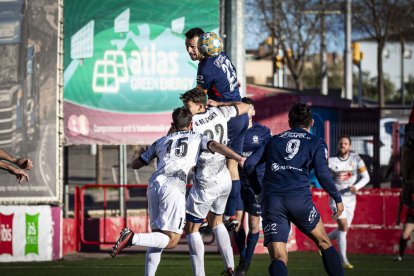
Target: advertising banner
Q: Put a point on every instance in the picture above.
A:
(125, 65)
(26, 233)
(29, 97)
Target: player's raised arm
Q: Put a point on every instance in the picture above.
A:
(226, 151)
(241, 107)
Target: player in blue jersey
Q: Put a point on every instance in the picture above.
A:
(255, 136)
(218, 78)
(289, 157)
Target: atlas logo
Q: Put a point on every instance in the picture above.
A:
(275, 167)
(312, 215)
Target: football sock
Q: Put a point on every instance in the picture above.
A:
(233, 198)
(403, 245)
(224, 245)
(251, 245)
(333, 235)
(240, 237)
(278, 267)
(331, 262)
(196, 246)
(342, 245)
(152, 260)
(154, 239)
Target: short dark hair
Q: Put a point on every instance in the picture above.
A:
(248, 100)
(347, 137)
(191, 33)
(181, 117)
(196, 95)
(300, 115)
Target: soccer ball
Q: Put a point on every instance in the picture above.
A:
(210, 44)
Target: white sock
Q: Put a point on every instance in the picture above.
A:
(196, 246)
(154, 239)
(152, 260)
(224, 245)
(342, 245)
(333, 235)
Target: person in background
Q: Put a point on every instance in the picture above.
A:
(15, 166)
(350, 174)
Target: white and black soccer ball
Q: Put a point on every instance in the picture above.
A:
(210, 44)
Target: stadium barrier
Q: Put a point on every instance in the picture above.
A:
(373, 231)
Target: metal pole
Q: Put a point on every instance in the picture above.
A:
(348, 52)
(402, 73)
(323, 61)
(122, 179)
(359, 84)
(234, 39)
(66, 180)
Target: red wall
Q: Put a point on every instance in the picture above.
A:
(373, 230)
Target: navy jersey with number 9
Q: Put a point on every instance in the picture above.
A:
(289, 157)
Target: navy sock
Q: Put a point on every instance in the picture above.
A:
(240, 237)
(331, 262)
(251, 245)
(277, 267)
(403, 245)
(233, 198)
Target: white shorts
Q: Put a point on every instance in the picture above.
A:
(214, 198)
(349, 207)
(166, 207)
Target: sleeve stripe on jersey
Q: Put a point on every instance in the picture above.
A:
(237, 110)
(208, 146)
(143, 161)
(362, 169)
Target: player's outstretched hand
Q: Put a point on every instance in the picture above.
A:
(339, 210)
(21, 175)
(24, 163)
(212, 103)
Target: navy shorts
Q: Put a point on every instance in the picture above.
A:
(279, 211)
(236, 128)
(248, 201)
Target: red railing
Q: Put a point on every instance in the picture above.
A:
(79, 207)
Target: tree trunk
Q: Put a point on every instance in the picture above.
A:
(380, 76)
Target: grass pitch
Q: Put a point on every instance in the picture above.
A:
(174, 264)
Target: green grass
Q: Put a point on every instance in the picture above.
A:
(173, 264)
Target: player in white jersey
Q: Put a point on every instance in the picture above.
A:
(345, 168)
(177, 154)
(212, 180)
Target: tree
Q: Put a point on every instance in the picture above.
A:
(292, 31)
(375, 17)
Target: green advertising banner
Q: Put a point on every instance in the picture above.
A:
(126, 64)
(32, 234)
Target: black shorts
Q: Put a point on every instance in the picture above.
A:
(279, 211)
(236, 128)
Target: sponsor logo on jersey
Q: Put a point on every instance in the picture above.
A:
(6, 234)
(276, 167)
(288, 134)
(255, 139)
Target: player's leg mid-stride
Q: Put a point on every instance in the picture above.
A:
(124, 240)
